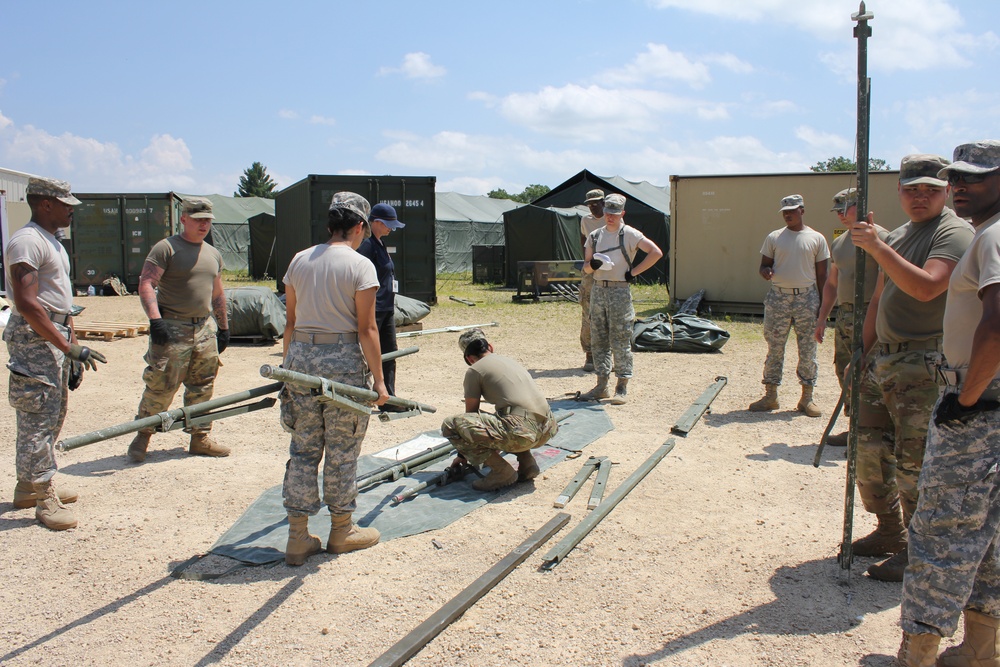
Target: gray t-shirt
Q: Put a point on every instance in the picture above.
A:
(608, 242)
(844, 256)
(189, 273)
(505, 383)
(42, 251)
(795, 256)
(326, 279)
(901, 317)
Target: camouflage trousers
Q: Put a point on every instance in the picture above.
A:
(781, 313)
(611, 320)
(322, 431)
(477, 434)
(190, 356)
(843, 345)
(38, 392)
(954, 562)
(586, 287)
(897, 398)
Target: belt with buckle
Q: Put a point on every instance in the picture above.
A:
(59, 318)
(177, 318)
(323, 338)
(954, 378)
(612, 283)
(793, 290)
(910, 345)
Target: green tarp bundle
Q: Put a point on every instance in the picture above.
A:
(680, 333)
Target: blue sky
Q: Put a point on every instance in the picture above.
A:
(158, 96)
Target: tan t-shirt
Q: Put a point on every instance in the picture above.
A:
(795, 256)
(901, 317)
(608, 243)
(505, 383)
(978, 268)
(326, 279)
(42, 251)
(844, 256)
(189, 272)
(589, 223)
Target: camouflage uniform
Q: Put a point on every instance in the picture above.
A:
(476, 434)
(191, 357)
(39, 380)
(843, 345)
(954, 561)
(781, 313)
(897, 397)
(323, 431)
(611, 320)
(586, 287)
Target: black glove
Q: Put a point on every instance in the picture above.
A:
(159, 332)
(86, 356)
(75, 375)
(222, 339)
(629, 278)
(596, 263)
(951, 410)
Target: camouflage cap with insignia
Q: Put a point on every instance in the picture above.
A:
(594, 195)
(792, 202)
(845, 199)
(198, 208)
(980, 157)
(351, 202)
(469, 337)
(50, 187)
(922, 168)
(614, 204)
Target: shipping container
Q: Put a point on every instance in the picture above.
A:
(300, 213)
(718, 225)
(113, 233)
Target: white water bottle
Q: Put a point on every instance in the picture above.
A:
(91, 291)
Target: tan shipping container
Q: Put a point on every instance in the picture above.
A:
(718, 225)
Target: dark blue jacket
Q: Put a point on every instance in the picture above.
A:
(373, 249)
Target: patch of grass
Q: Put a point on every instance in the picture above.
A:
(240, 278)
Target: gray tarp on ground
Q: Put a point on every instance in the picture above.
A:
(255, 311)
(259, 536)
(462, 221)
(409, 311)
(677, 333)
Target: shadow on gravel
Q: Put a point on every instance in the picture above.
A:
(715, 418)
(801, 608)
(782, 451)
(118, 462)
(559, 372)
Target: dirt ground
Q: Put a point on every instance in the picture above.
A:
(725, 555)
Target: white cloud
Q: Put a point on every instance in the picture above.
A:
(468, 185)
(658, 62)
(4, 121)
(416, 65)
(825, 142)
(316, 119)
(288, 114)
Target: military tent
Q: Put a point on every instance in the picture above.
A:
(534, 234)
(463, 221)
(231, 227)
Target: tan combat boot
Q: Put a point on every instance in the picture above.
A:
(768, 402)
(300, 544)
(918, 650)
(25, 496)
(52, 513)
(891, 569)
(598, 392)
(979, 648)
(806, 405)
(203, 445)
(888, 538)
(137, 448)
(527, 467)
(621, 392)
(839, 440)
(345, 535)
(501, 474)
(588, 363)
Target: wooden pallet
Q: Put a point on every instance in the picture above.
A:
(110, 330)
(416, 326)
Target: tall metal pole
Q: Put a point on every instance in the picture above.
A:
(862, 32)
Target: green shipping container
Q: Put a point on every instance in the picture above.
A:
(112, 234)
(300, 212)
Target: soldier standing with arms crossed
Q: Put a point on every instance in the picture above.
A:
(179, 287)
(588, 225)
(954, 534)
(42, 346)
(902, 338)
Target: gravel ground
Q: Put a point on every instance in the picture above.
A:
(725, 555)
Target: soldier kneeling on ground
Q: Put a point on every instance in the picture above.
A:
(523, 420)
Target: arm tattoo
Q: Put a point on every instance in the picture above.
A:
(24, 275)
(219, 310)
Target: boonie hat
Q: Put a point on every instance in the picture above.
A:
(980, 157)
(594, 195)
(469, 337)
(387, 215)
(50, 187)
(845, 199)
(922, 168)
(792, 202)
(614, 204)
(198, 208)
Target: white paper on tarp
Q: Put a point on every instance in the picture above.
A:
(416, 445)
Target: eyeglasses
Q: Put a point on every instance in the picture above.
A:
(956, 177)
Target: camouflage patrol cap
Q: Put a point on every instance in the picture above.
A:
(845, 199)
(614, 204)
(922, 168)
(792, 202)
(469, 337)
(351, 202)
(50, 187)
(198, 208)
(594, 195)
(980, 157)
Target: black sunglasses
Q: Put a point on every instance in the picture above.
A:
(956, 177)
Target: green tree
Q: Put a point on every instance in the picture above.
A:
(526, 196)
(499, 193)
(256, 182)
(841, 163)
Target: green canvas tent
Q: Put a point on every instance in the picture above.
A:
(463, 221)
(536, 234)
(231, 228)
